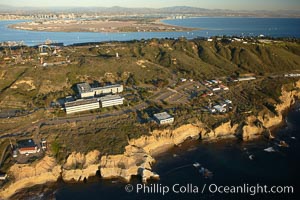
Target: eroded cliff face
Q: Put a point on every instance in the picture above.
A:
(257, 125)
(138, 156)
(79, 167)
(166, 138)
(27, 175)
(252, 128)
(224, 130)
(138, 160)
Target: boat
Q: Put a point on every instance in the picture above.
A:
(196, 164)
(269, 149)
(251, 157)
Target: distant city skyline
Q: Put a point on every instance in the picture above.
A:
(209, 4)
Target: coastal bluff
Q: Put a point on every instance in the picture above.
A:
(138, 157)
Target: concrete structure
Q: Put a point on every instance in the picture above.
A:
(86, 91)
(81, 105)
(109, 89)
(163, 118)
(27, 147)
(111, 100)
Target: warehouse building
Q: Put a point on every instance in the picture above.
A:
(111, 100)
(81, 105)
(163, 118)
(86, 91)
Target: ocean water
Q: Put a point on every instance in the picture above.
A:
(275, 27)
(228, 160)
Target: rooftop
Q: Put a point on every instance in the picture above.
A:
(80, 102)
(162, 116)
(110, 97)
(84, 87)
(107, 86)
(26, 143)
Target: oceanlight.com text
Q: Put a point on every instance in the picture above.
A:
(208, 188)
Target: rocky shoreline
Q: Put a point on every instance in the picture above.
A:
(138, 157)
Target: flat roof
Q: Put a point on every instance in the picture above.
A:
(80, 102)
(26, 143)
(84, 87)
(106, 87)
(162, 116)
(110, 97)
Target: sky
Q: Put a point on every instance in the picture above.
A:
(210, 4)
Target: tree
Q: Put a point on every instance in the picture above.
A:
(55, 147)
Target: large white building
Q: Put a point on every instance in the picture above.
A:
(111, 100)
(164, 118)
(109, 89)
(81, 105)
(86, 91)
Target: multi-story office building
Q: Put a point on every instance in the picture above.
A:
(81, 105)
(111, 100)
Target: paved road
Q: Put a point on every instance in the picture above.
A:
(62, 120)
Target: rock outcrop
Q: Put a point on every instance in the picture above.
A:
(257, 125)
(27, 175)
(138, 156)
(224, 130)
(80, 167)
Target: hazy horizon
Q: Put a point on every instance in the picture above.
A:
(212, 4)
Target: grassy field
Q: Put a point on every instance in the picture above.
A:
(145, 61)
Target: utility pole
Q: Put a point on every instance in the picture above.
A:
(11, 145)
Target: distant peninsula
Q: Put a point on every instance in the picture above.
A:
(95, 25)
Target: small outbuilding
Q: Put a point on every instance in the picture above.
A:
(163, 118)
(27, 147)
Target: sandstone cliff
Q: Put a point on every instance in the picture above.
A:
(27, 175)
(257, 125)
(138, 156)
(224, 130)
(79, 167)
